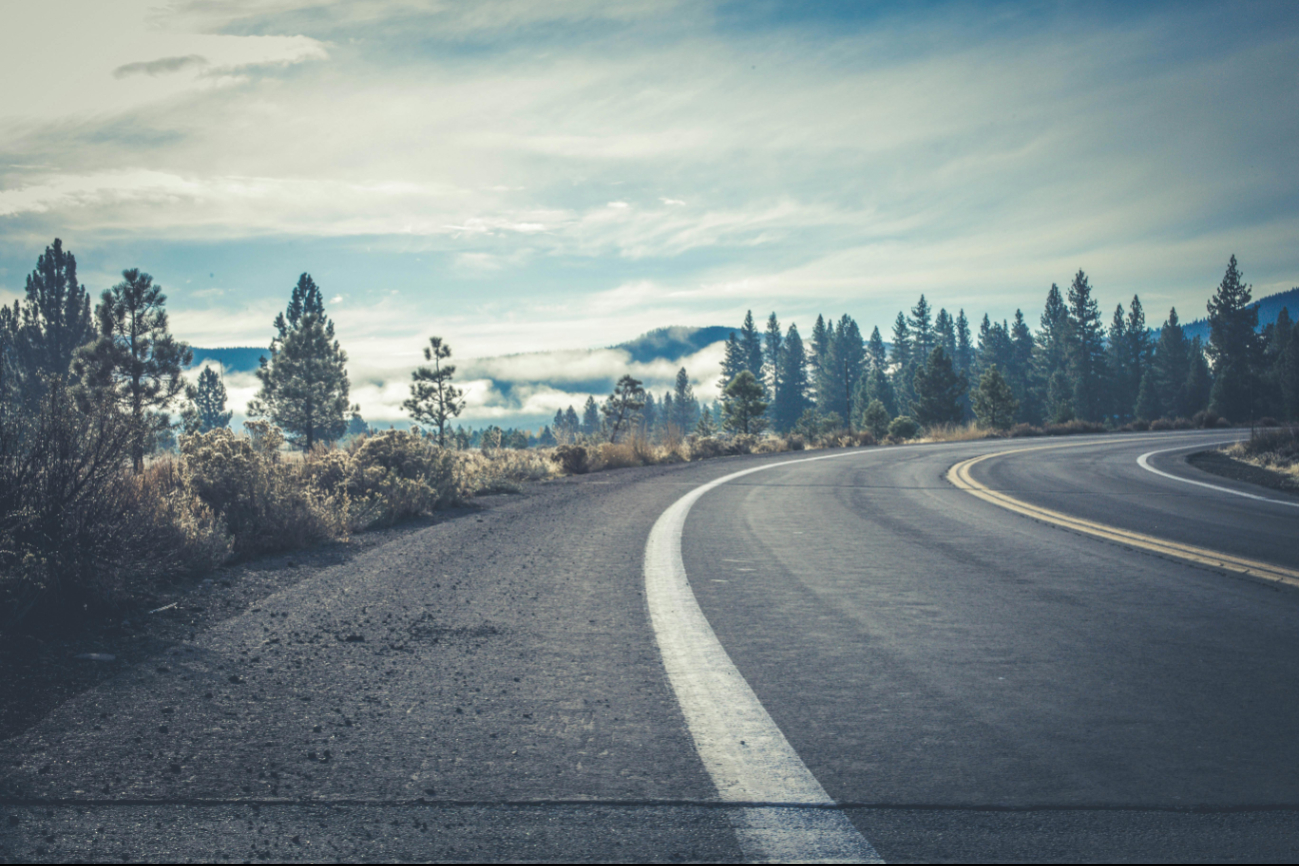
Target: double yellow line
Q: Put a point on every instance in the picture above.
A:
(959, 476)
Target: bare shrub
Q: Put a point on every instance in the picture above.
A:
(392, 476)
(959, 432)
(1161, 424)
(1138, 425)
(502, 471)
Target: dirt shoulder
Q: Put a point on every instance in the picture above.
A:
(1226, 466)
(43, 667)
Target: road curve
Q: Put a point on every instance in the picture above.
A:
(967, 683)
(986, 686)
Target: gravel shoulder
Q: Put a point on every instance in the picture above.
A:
(497, 658)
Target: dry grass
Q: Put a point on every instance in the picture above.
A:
(967, 432)
(1276, 449)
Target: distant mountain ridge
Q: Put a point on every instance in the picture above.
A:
(1268, 309)
(672, 343)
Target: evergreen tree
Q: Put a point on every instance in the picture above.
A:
(621, 407)
(206, 407)
(743, 404)
(875, 385)
(1199, 383)
(876, 356)
(1276, 336)
(1051, 359)
(433, 399)
(304, 383)
(1148, 406)
(649, 415)
(1019, 372)
(938, 390)
(1169, 369)
(1288, 364)
(667, 409)
(1138, 349)
(1122, 395)
(875, 419)
(732, 360)
(994, 402)
(773, 345)
(903, 368)
(945, 333)
(751, 346)
(791, 394)
(963, 357)
(922, 329)
(820, 346)
(356, 425)
(135, 362)
(684, 406)
(706, 426)
(590, 417)
(1087, 351)
(1234, 347)
(50, 325)
(838, 380)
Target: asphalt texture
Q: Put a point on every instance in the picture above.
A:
(968, 683)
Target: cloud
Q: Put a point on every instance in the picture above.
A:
(159, 67)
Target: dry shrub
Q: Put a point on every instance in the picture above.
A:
(1161, 424)
(1073, 428)
(1272, 448)
(967, 432)
(268, 504)
(616, 455)
(388, 477)
(502, 471)
(1207, 420)
(1021, 431)
(1138, 425)
(77, 525)
(796, 442)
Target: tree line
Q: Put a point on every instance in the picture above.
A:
(1073, 367)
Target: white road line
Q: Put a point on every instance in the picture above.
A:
(742, 748)
(1144, 462)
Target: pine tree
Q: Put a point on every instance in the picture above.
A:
(135, 362)
(1289, 375)
(732, 360)
(1051, 359)
(666, 409)
(50, 325)
(922, 329)
(963, 357)
(356, 425)
(649, 415)
(1019, 372)
(875, 419)
(1199, 384)
(706, 426)
(843, 367)
(820, 346)
(772, 347)
(1169, 369)
(993, 401)
(875, 385)
(685, 408)
(621, 407)
(1087, 350)
(1148, 406)
(206, 407)
(590, 417)
(1138, 347)
(876, 355)
(433, 399)
(903, 368)
(938, 390)
(1121, 394)
(791, 394)
(945, 333)
(751, 346)
(744, 405)
(304, 382)
(1234, 347)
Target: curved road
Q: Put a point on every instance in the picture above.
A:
(967, 683)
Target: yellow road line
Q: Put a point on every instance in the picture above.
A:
(959, 476)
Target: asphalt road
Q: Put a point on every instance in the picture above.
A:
(967, 683)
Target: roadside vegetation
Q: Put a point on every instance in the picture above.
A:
(105, 495)
(1273, 447)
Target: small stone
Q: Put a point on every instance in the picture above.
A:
(162, 729)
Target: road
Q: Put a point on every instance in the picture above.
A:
(964, 682)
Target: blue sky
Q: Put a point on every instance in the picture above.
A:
(520, 176)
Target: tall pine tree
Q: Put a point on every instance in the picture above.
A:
(304, 383)
(1087, 350)
(1234, 347)
(791, 392)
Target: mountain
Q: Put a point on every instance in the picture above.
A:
(239, 359)
(1268, 309)
(672, 343)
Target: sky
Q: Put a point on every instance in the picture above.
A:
(558, 176)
